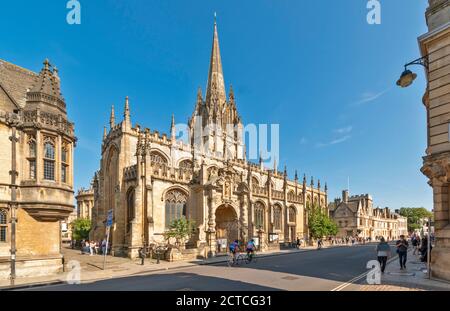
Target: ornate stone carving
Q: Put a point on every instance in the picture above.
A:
(176, 196)
(437, 169)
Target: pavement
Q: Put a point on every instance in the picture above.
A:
(415, 277)
(335, 268)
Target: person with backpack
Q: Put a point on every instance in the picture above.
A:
(402, 251)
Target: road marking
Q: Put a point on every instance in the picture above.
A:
(344, 285)
(357, 278)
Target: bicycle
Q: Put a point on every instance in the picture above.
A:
(250, 257)
(235, 260)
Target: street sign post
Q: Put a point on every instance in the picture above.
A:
(109, 221)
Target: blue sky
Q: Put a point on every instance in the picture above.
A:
(315, 67)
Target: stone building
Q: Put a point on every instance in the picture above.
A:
(149, 179)
(356, 217)
(41, 194)
(435, 48)
(85, 203)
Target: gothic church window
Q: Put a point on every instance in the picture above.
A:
(3, 225)
(186, 165)
(175, 206)
(277, 217)
(157, 158)
(259, 215)
(291, 215)
(130, 208)
(255, 184)
(49, 161)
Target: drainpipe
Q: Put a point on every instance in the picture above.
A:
(13, 186)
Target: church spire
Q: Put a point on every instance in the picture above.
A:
(216, 86)
(126, 111)
(172, 129)
(112, 119)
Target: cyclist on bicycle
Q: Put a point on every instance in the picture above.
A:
(234, 248)
(319, 244)
(251, 247)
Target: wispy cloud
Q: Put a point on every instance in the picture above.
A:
(303, 141)
(368, 97)
(334, 141)
(344, 130)
(343, 133)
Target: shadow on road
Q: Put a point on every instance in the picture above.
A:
(162, 282)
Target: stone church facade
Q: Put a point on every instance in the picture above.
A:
(149, 179)
(36, 170)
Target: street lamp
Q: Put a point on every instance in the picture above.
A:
(407, 77)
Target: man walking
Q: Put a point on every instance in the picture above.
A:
(402, 251)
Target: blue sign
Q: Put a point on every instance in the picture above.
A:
(109, 219)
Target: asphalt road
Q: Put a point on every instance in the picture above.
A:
(326, 269)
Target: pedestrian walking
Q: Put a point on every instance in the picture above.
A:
(402, 251)
(96, 248)
(298, 242)
(415, 244)
(91, 248)
(424, 249)
(104, 246)
(383, 252)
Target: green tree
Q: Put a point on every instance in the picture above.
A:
(320, 224)
(415, 216)
(80, 228)
(180, 229)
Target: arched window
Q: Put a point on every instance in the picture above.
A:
(157, 158)
(186, 165)
(291, 215)
(49, 161)
(277, 217)
(32, 158)
(175, 206)
(259, 215)
(64, 164)
(3, 225)
(130, 208)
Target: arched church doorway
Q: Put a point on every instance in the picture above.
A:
(227, 226)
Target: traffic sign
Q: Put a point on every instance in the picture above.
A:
(109, 219)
